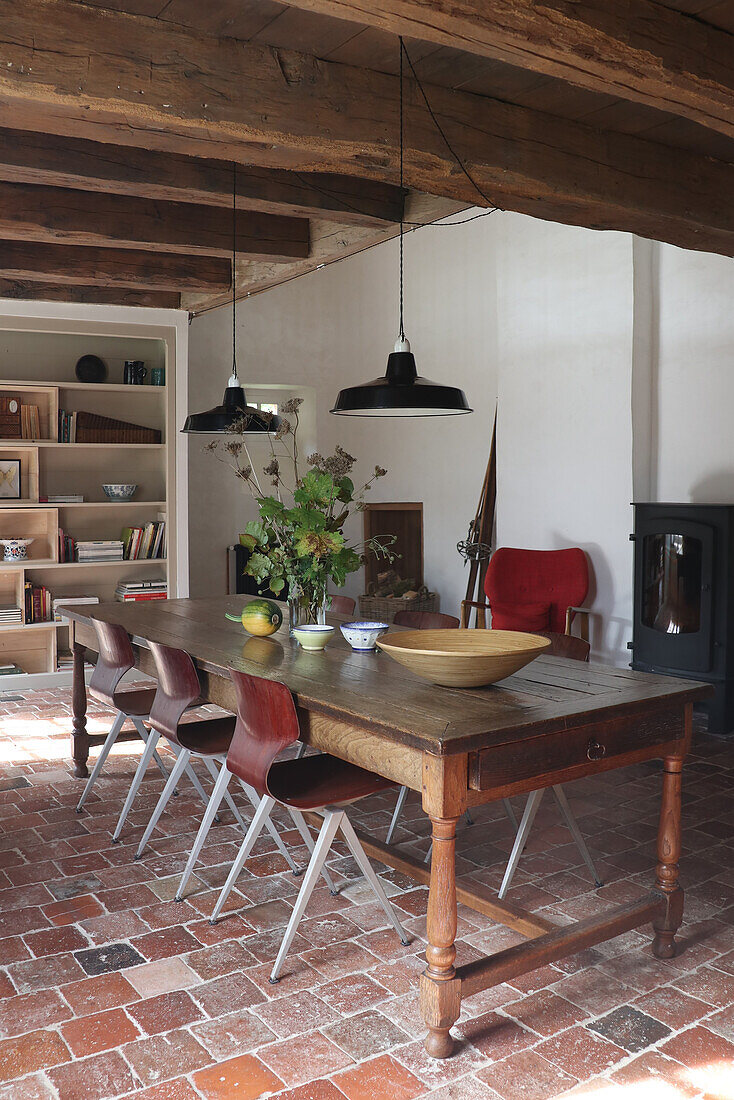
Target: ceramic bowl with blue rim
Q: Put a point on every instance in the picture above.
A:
(362, 637)
(312, 636)
(15, 549)
(119, 491)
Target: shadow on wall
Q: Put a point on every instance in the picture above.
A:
(608, 633)
(715, 488)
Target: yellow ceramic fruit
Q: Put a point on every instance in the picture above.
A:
(259, 617)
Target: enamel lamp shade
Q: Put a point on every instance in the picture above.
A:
(234, 407)
(401, 392)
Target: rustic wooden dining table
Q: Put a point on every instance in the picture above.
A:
(554, 721)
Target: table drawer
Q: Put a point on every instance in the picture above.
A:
(588, 748)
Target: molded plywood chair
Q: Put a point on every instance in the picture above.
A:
(115, 659)
(267, 723)
(206, 738)
(343, 605)
(536, 590)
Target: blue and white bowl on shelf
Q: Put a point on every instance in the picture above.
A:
(120, 491)
(15, 549)
(362, 637)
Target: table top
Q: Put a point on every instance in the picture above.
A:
(371, 690)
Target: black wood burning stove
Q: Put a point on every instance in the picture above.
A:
(684, 596)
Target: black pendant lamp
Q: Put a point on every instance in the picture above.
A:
(234, 405)
(401, 391)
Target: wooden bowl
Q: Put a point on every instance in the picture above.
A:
(463, 658)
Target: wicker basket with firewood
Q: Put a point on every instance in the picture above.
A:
(391, 593)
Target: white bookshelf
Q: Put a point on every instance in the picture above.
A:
(50, 468)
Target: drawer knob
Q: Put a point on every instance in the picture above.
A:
(594, 750)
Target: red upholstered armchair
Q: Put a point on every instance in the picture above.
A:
(535, 590)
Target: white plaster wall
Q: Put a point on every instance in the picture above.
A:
(694, 387)
(335, 328)
(564, 426)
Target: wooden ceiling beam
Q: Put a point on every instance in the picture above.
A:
(25, 290)
(38, 158)
(53, 214)
(131, 80)
(60, 264)
(636, 49)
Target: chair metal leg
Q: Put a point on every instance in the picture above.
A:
(510, 813)
(300, 750)
(176, 772)
(300, 823)
(528, 817)
(215, 772)
(262, 813)
(402, 795)
(332, 820)
(193, 776)
(560, 796)
(143, 732)
(369, 873)
(218, 793)
(137, 780)
(255, 799)
(104, 753)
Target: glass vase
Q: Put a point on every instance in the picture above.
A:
(305, 609)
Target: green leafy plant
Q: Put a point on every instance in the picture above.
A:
(299, 538)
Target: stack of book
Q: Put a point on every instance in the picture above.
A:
(101, 550)
(133, 592)
(10, 614)
(10, 670)
(38, 603)
(63, 498)
(144, 542)
(30, 423)
(67, 547)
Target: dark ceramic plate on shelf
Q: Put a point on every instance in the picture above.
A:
(91, 368)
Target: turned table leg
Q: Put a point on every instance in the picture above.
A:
(440, 988)
(80, 737)
(669, 846)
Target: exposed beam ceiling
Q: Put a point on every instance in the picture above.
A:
(52, 214)
(635, 49)
(123, 78)
(113, 267)
(29, 157)
(54, 292)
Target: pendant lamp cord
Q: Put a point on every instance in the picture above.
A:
(402, 230)
(234, 268)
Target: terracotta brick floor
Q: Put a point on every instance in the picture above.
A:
(109, 988)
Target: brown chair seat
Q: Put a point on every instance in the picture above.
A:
(315, 781)
(138, 701)
(207, 736)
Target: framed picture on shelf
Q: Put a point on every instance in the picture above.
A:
(10, 479)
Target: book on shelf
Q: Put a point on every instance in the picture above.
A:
(11, 670)
(30, 422)
(67, 547)
(38, 603)
(9, 613)
(144, 542)
(62, 498)
(99, 550)
(70, 601)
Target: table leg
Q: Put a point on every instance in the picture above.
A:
(440, 988)
(669, 846)
(80, 737)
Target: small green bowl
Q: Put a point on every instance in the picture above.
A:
(313, 637)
